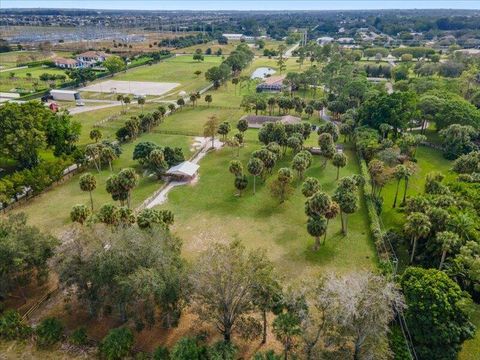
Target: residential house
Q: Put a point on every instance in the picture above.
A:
(91, 58)
(65, 63)
(272, 84)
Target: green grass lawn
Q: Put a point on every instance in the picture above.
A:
(90, 118)
(40, 211)
(471, 348)
(51, 210)
(178, 69)
(209, 211)
(20, 80)
(191, 119)
(428, 160)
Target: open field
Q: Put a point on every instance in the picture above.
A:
(176, 70)
(191, 119)
(54, 218)
(68, 194)
(90, 118)
(20, 79)
(428, 160)
(12, 58)
(131, 87)
(210, 211)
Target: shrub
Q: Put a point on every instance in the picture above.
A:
(222, 351)
(79, 337)
(117, 344)
(11, 326)
(187, 349)
(49, 332)
(161, 353)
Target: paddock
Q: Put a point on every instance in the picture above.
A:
(131, 87)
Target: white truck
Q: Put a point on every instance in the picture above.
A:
(67, 95)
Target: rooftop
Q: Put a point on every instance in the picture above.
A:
(185, 168)
(256, 121)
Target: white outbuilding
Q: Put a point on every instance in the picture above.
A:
(186, 169)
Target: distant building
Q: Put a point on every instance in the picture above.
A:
(257, 121)
(324, 40)
(346, 40)
(473, 52)
(239, 37)
(65, 63)
(90, 58)
(272, 84)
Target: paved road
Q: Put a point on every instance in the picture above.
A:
(82, 109)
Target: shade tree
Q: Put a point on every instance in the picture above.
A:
(440, 301)
(225, 285)
(114, 273)
(25, 254)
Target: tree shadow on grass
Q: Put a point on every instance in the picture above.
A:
(328, 251)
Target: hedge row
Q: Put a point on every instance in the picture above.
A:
(375, 227)
(48, 63)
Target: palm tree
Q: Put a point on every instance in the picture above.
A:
(88, 183)
(120, 98)
(208, 99)
(128, 179)
(463, 225)
(316, 227)
(235, 167)
(95, 134)
(339, 160)
(417, 225)
(255, 167)
(235, 82)
(141, 102)
(107, 154)
(210, 128)
(447, 241)
(241, 183)
(400, 173)
(410, 171)
(331, 214)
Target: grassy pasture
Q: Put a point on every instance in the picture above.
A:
(178, 69)
(209, 211)
(54, 218)
(21, 81)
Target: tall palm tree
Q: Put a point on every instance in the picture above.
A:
(447, 240)
(331, 214)
(88, 183)
(316, 227)
(400, 173)
(463, 225)
(410, 171)
(417, 226)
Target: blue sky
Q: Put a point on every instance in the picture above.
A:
(242, 4)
